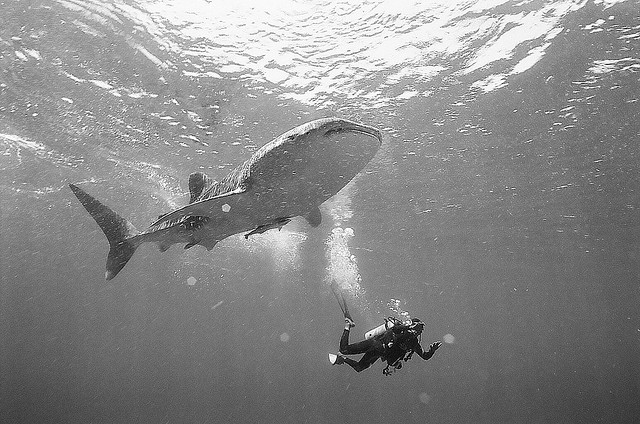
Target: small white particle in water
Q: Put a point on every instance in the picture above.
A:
(448, 338)
(284, 337)
(226, 208)
(191, 281)
(424, 398)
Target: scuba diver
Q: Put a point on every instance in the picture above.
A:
(394, 341)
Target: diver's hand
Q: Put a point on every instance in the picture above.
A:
(434, 346)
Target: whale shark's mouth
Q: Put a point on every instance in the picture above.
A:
(370, 131)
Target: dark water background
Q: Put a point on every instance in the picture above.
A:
(503, 210)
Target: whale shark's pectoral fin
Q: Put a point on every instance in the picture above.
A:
(278, 223)
(314, 217)
(198, 183)
(208, 243)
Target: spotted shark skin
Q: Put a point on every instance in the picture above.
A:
(290, 176)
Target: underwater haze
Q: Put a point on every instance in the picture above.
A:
(503, 209)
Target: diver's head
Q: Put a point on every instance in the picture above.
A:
(416, 325)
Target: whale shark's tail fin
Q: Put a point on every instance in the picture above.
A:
(118, 230)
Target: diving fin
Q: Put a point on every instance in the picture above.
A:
(336, 359)
(341, 301)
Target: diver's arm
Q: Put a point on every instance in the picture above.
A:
(428, 354)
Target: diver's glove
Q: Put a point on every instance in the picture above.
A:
(434, 346)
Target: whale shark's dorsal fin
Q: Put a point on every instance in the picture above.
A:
(198, 183)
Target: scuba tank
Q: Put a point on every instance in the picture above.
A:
(388, 323)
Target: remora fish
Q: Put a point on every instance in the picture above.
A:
(288, 177)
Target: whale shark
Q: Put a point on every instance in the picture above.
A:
(288, 177)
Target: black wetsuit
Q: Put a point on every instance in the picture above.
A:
(392, 346)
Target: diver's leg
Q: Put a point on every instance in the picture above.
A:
(344, 339)
(365, 362)
(354, 348)
(348, 325)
